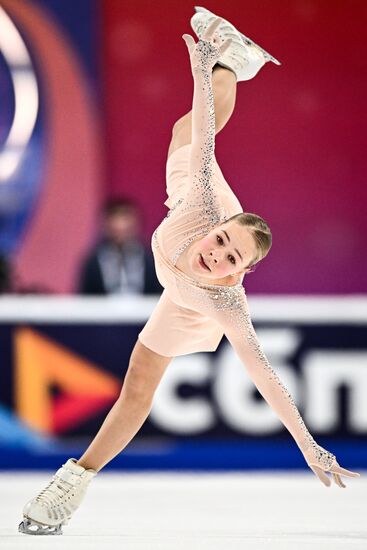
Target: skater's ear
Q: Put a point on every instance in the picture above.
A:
(250, 269)
(244, 271)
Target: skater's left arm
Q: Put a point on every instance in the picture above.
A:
(230, 309)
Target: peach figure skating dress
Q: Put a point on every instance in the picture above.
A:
(192, 316)
(175, 328)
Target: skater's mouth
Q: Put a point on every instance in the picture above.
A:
(203, 264)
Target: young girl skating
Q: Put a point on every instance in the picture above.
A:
(202, 250)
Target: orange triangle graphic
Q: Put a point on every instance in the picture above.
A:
(40, 363)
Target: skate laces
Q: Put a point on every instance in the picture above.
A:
(54, 491)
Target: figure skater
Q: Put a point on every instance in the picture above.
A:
(202, 250)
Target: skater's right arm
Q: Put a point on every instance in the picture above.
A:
(203, 56)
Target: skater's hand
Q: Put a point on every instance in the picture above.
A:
(206, 52)
(320, 461)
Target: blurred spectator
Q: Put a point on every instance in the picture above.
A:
(5, 275)
(119, 263)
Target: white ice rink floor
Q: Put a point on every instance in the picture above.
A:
(198, 511)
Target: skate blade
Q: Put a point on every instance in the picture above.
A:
(31, 527)
(266, 54)
(245, 38)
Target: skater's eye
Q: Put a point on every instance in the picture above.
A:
(220, 240)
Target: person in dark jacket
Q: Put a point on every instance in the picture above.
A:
(119, 263)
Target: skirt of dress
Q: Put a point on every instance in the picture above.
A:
(173, 330)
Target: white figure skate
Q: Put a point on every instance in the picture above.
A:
(244, 57)
(54, 505)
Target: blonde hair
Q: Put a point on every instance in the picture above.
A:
(259, 230)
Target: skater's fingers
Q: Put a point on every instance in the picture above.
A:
(225, 45)
(343, 471)
(209, 31)
(338, 480)
(321, 475)
(190, 42)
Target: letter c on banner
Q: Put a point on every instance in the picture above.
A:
(180, 415)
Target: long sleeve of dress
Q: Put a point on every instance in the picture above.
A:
(234, 317)
(201, 159)
(228, 306)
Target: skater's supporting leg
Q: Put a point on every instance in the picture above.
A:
(131, 409)
(224, 91)
(54, 505)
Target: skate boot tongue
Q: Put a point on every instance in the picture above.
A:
(72, 465)
(77, 469)
(73, 474)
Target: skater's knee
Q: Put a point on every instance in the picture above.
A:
(145, 371)
(181, 135)
(182, 124)
(138, 386)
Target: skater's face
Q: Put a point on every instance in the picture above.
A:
(226, 250)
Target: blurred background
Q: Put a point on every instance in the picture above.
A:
(89, 92)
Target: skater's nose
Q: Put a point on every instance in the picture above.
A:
(215, 256)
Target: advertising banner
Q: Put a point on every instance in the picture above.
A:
(63, 363)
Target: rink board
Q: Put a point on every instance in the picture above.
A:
(63, 361)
